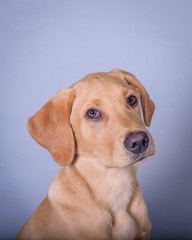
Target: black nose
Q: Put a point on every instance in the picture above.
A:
(137, 142)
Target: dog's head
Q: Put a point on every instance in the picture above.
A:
(99, 117)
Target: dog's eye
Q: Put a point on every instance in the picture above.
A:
(131, 100)
(93, 114)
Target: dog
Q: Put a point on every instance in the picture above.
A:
(96, 130)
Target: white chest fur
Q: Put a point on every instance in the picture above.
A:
(120, 185)
(114, 189)
(105, 193)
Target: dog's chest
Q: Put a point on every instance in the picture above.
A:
(119, 187)
(107, 210)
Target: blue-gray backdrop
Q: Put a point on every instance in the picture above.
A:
(49, 44)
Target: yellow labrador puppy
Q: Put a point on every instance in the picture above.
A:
(96, 132)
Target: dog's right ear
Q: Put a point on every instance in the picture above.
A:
(51, 128)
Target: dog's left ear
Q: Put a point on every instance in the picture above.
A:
(147, 104)
(51, 128)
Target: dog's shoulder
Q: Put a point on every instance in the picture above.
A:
(69, 188)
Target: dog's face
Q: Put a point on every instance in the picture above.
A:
(107, 122)
(100, 118)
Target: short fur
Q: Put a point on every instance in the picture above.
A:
(95, 195)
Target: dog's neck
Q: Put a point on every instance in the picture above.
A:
(112, 187)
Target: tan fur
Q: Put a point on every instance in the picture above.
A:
(96, 194)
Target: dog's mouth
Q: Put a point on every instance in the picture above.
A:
(139, 158)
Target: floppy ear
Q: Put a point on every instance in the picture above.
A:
(147, 104)
(51, 128)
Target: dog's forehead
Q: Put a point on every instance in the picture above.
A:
(102, 82)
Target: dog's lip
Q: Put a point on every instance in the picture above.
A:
(139, 158)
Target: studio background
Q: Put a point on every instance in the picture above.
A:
(47, 45)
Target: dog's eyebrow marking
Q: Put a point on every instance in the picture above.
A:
(128, 90)
(93, 103)
(96, 102)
